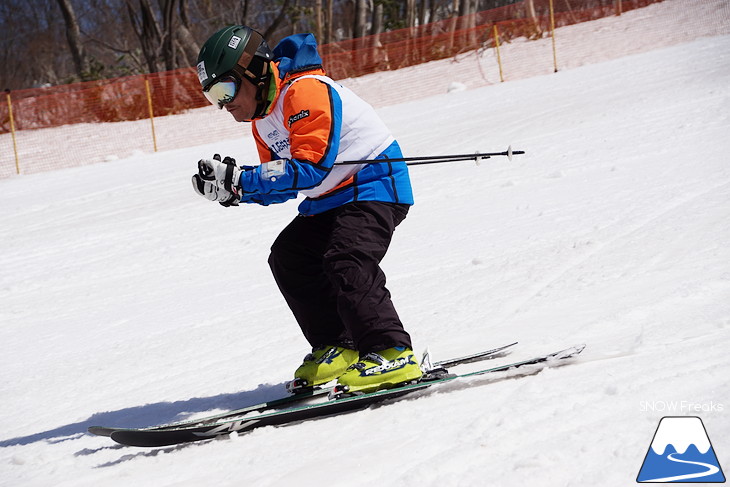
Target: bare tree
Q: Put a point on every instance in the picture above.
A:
(377, 23)
(164, 35)
(148, 32)
(537, 30)
(106, 38)
(189, 47)
(73, 36)
(423, 11)
(32, 45)
(411, 13)
(318, 20)
(360, 18)
(278, 21)
(328, 21)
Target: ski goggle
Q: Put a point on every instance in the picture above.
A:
(222, 91)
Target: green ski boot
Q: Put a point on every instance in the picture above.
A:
(324, 364)
(381, 370)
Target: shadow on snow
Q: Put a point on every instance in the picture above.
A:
(167, 412)
(153, 414)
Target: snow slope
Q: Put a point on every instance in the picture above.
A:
(128, 300)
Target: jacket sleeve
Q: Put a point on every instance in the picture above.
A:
(313, 115)
(268, 199)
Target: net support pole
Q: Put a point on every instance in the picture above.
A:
(552, 35)
(499, 58)
(12, 131)
(152, 115)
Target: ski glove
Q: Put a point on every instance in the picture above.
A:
(218, 180)
(212, 192)
(224, 174)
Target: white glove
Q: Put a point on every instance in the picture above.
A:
(212, 192)
(224, 174)
(218, 180)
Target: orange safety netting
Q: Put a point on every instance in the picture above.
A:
(82, 106)
(111, 100)
(447, 38)
(122, 99)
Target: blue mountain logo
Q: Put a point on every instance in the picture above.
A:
(681, 452)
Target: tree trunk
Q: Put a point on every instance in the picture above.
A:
(410, 13)
(318, 21)
(277, 21)
(168, 35)
(73, 35)
(453, 24)
(530, 7)
(244, 12)
(190, 48)
(360, 18)
(423, 11)
(148, 32)
(328, 22)
(377, 22)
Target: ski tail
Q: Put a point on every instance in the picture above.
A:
(476, 357)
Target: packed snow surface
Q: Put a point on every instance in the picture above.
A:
(127, 300)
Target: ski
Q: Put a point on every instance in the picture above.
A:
(305, 394)
(203, 430)
(467, 359)
(273, 404)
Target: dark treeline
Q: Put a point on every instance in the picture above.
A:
(51, 42)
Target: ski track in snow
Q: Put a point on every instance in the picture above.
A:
(128, 300)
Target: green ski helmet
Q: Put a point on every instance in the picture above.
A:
(227, 58)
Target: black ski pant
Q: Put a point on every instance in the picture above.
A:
(327, 266)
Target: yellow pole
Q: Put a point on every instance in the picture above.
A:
(552, 34)
(12, 132)
(152, 116)
(499, 58)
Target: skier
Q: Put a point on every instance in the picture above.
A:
(326, 262)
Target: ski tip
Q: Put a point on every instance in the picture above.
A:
(570, 352)
(101, 430)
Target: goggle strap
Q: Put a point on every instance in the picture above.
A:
(249, 53)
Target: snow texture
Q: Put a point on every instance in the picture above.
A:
(126, 299)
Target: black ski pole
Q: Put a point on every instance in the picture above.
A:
(420, 160)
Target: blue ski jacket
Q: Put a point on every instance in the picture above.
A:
(312, 123)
